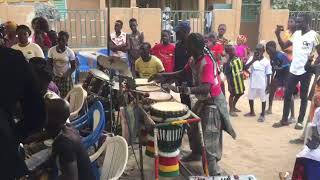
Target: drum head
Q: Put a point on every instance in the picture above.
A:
(142, 82)
(169, 107)
(159, 96)
(148, 88)
(99, 74)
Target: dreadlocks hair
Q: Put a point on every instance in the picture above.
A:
(196, 39)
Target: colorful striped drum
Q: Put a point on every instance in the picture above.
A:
(169, 164)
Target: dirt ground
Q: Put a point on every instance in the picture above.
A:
(259, 149)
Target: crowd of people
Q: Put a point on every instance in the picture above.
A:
(200, 65)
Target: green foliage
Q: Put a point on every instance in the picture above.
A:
(297, 5)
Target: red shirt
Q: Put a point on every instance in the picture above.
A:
(165, 53)
(205, 71)
(46, 40)
(217, 51)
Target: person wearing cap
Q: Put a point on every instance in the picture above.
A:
(181, 57)
(260, 76)
(10, 34)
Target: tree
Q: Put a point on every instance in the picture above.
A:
(297, 5)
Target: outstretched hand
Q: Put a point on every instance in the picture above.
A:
(158, 78)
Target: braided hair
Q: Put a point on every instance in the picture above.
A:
(197, 40)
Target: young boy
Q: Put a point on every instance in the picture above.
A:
(280, 70)
(233, 71)
(261, 70)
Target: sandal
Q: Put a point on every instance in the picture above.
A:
(280, 124)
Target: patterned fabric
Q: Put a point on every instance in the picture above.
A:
(150, 145)
(306, 169)
(233, 71)
(168, 166)
(64, 85)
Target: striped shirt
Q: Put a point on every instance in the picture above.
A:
(233, 71)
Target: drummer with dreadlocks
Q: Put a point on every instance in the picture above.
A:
(211, 105)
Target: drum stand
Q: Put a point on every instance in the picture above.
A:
(149, 121)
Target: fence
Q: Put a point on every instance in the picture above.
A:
(87, 28)
(171, 19)
(315, 18)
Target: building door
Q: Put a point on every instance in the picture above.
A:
(250, 21)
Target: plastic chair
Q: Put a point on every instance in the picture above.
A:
(96, 117)
(76, 98)
(116, 157)
(103, 52)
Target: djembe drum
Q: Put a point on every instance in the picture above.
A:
(170, 136)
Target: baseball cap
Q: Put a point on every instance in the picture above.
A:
(184, 25)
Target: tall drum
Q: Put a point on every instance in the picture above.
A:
(169, 137)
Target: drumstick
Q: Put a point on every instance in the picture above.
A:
(204, 154)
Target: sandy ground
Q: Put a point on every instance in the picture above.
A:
(259, 149)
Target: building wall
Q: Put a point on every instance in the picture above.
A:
(21, 14)
(269, 19)
(83, 4)
(230, 17)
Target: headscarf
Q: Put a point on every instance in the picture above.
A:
(242, 39)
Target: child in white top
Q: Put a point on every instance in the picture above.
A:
(260, 74)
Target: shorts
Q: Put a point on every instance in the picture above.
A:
(257, 93)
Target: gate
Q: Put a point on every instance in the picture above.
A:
(171, 19)
(315, 18)
(87, 28)
(250, 21)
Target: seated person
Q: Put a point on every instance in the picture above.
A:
(147, 64)
(307, 166)
(71, 156)
(73, 159)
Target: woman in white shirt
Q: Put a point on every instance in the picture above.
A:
(63, 62)
(28, 49)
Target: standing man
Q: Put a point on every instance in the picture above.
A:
(20, 86)
(136, 38)
(165, 51)
(222, 29)
(181, 57)
(209, 16)
(211, 105)
(303, 42)
(119, 41)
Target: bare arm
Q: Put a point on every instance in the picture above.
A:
(202, 89)
(283, 45)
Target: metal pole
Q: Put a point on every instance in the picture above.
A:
(156, 156)
(108, 28)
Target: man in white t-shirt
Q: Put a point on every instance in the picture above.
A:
(304, 41)
(260, 75)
